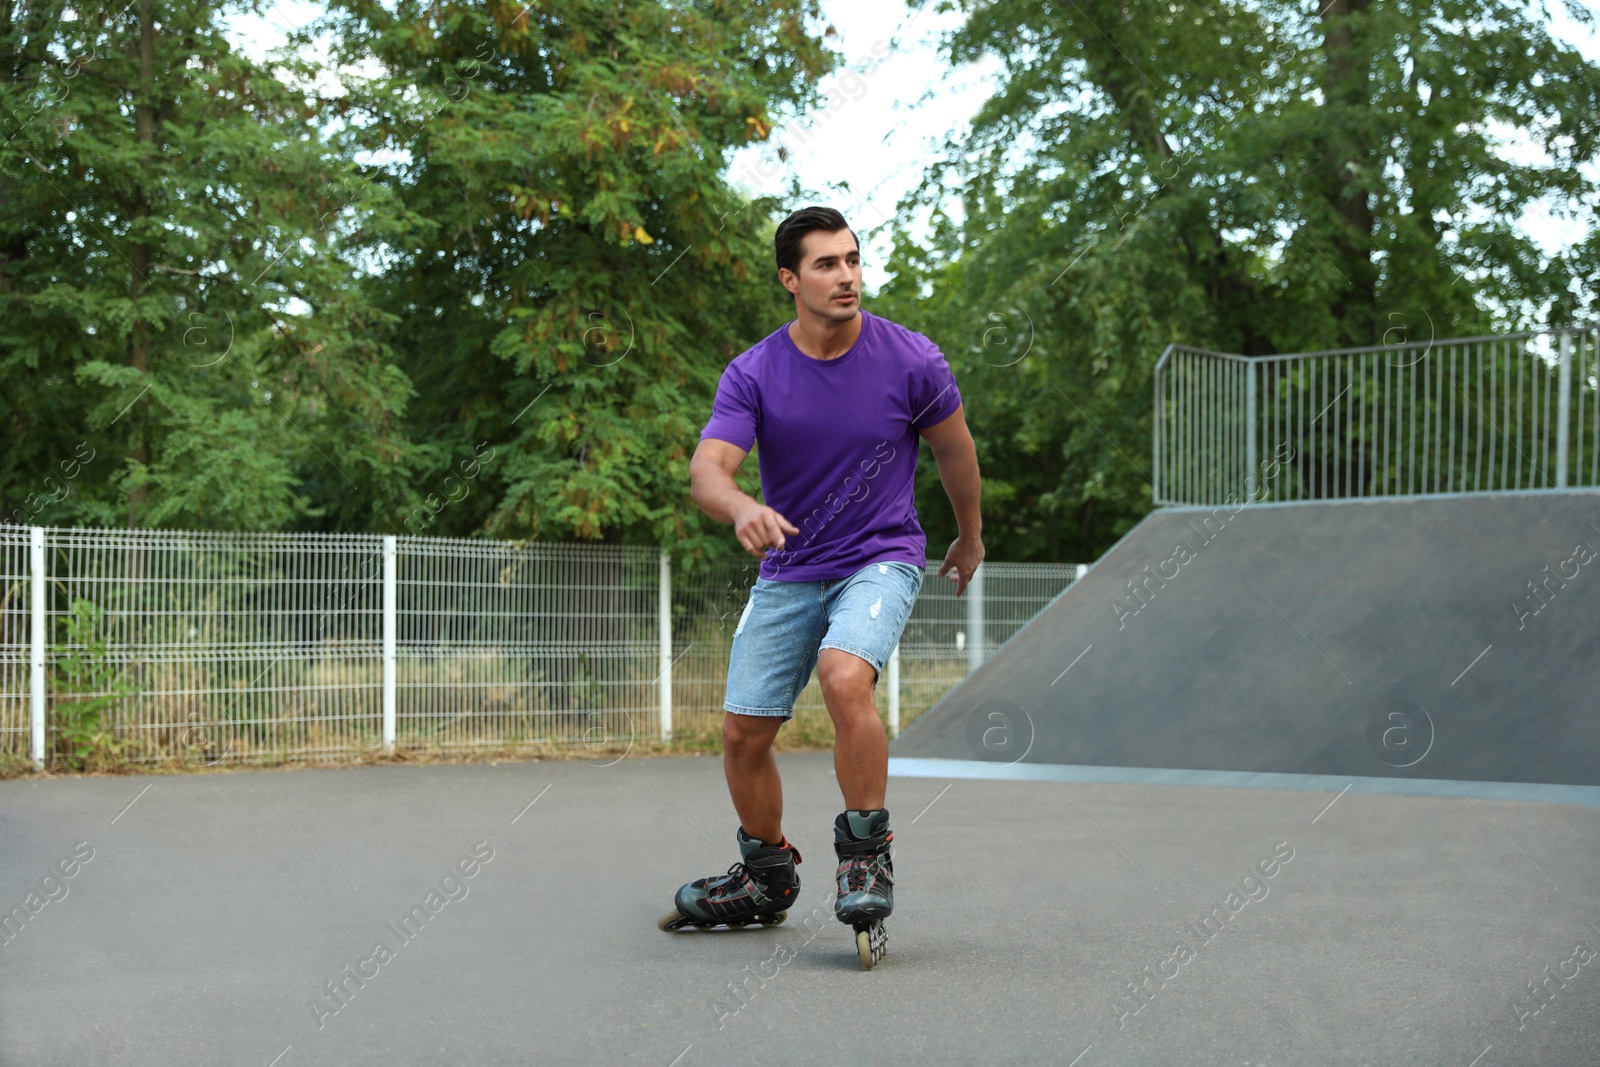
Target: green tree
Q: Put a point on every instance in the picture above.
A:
(180, 337)
(575, 272)
(1258, 179)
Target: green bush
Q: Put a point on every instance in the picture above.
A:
(87, 686)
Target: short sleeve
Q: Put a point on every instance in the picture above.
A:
(735, 414)
(935, 396)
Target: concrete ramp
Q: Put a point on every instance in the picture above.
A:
(1446, 638)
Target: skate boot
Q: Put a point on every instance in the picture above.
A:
(760, 888)
(866, 879)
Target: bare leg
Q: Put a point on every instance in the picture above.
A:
(752, 773)
(861, 746)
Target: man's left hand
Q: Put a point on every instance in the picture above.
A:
(961, 562)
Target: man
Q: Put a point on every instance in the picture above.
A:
(836, 400)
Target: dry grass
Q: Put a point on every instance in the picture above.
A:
(814, 733)
(810, 730)
(333, 721)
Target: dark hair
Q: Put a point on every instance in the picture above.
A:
(792, 230)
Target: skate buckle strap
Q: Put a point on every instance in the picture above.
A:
(856, 848)
(860, 873)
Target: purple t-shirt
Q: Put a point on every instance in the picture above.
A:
(838, 443)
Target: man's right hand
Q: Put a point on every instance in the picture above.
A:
(759, 527)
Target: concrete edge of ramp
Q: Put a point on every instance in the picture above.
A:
(908, 767)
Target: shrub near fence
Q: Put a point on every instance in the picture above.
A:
(171, 646)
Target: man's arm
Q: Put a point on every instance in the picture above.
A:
(712, 487)
(957, 458)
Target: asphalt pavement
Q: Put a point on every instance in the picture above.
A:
(476, 914)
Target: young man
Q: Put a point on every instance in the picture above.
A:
(836, 400)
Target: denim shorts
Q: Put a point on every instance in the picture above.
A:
(786, 624)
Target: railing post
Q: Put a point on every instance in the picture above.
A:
(975, 621)
(664, 628)
(1250, 479)
(36, 680)
(894, 692)
(1156, 456)
(1564, 412)
(390, 587)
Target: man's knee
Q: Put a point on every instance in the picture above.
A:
(742, 737)
(845, 678)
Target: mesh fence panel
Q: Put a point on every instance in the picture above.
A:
(259, 647)
(14, 639)
(222, 646)
(503, 645)
(934, 653)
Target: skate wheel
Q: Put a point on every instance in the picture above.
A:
(775, 919)
(872, 943)
(672, 920)
(864, 949)
(739, 924)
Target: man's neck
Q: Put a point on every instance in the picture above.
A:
(822, 338)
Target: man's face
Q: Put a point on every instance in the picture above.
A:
(829, 282)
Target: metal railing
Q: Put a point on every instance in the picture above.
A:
(255, 647)
(1516, 411)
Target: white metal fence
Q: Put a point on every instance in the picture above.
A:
(161, 645)
(1517, 411)
(945, 639)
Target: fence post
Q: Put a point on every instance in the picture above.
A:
(1156, 455)
(975, 621)
(1079, 571)
(664, 630)
(1564, 414)
(1250, 432)
(36, 680)
(894, 692)
(390, 586)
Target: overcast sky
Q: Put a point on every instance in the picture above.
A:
(889, 110)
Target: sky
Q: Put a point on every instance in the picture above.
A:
(885, 116)
(886, 113)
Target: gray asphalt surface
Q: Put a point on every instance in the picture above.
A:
(214, 910)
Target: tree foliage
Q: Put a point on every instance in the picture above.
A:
(483, 280)
(474, 268)
(1253, 178)
(577, 272)
(177, 331)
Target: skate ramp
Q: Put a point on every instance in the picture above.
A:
(1440, 638)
